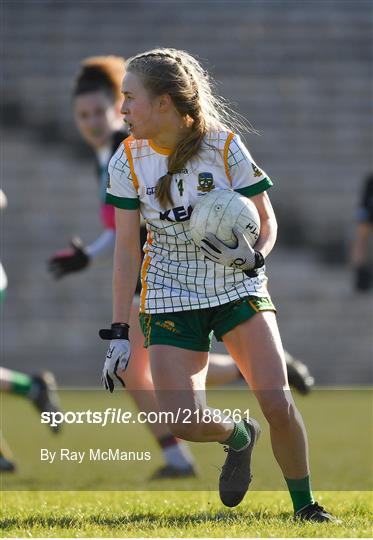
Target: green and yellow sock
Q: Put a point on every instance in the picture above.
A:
(300, 492)
(239, 439)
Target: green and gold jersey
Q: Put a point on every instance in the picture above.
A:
(175, 276)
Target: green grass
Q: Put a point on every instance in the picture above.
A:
(115, 499)
(177, 514)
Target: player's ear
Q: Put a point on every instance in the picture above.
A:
(165, 102)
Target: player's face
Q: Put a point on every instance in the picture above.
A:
(96, 117)
(140, 112)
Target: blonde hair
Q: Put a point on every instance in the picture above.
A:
(100, 73)
(177, 73)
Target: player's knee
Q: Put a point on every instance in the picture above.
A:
(279, 410)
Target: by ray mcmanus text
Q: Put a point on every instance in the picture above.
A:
(92, 454)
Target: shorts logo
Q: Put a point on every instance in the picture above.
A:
(261, 304)
(150, 190)
(205, 182)
(257, 171)
(167, 325)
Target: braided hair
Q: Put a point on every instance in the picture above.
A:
(177, 73)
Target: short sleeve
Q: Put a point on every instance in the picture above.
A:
(121, 191)
(245, 176)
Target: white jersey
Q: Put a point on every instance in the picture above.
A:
(175, 276)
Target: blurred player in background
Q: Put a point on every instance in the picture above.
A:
(96, 103)
(179, 129)
(39, 389)
(362, 246)
(97, 100)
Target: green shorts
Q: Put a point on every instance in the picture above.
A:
(193, 329)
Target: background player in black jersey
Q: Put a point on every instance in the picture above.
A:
(361, 249)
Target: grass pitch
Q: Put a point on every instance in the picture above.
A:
(175, 514)
(115, 499)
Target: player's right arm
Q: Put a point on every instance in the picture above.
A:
(127, 260)
(122, 193)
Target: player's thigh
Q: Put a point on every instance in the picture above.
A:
(179, 376)
(256, 347)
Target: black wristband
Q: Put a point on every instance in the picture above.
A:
(117, 331)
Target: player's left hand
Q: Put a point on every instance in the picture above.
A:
(117, 356)
(243, 256)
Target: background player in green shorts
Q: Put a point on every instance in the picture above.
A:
(40, 389)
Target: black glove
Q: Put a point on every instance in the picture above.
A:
(69, 260)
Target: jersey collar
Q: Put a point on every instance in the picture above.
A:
(159, 149)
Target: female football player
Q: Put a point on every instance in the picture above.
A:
(97, 95)
(180, 135)
(96, 104)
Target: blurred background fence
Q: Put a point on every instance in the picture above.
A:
(301, 72)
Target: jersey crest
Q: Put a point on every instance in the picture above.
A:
(205, 182)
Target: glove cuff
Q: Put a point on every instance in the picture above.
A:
(120, 330)
(259, 260)
(117, 331)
